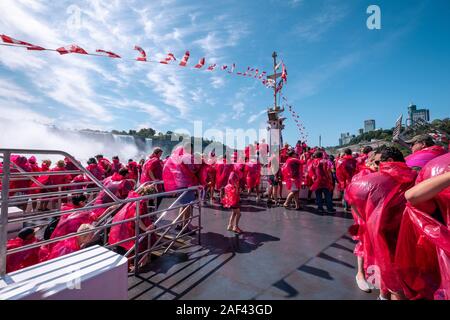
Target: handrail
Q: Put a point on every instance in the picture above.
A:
(104, 222)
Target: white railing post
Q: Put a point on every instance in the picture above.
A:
(4, 211)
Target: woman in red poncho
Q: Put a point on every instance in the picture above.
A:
(423, 248)
(127, 230)
(105, 164)
(345, 170)
(23, 259)
(116, 165)
(292, 172)
(231, 200)
(45, 166)
(378, 199)
(253, 177)
(322, 182)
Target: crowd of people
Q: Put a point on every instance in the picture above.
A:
(400, 205)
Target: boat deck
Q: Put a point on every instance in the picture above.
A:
(284, 254)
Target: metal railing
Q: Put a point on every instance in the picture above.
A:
(158, 230)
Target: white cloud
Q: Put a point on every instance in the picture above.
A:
(11, 91)
(254, 117)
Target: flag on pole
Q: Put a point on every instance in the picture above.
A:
(73, 48)
(108, 53)
(284, 73)
(143, 56)
(169, 57)
(398, 128)
(185, 59)
(29, 46)
(200, 63)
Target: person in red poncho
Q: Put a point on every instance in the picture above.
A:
(363, 158)
(46, 164)
(223, 171)
(292, 172)
(423, 248)
(23, 259)
(284, 153)
(423, 150)
(207, 177)
(105, 164)
(70, 222)
(119, 185)
(231, 200)
(133, 170)
(253, 177)
(180, 172)
(345, 170)
(34, 165)
(96, 170)
(127, 230)
(153, 168)
(116, 165)
(378, 200)
(322, 182)
(67, 246)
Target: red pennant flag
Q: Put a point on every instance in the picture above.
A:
(224, 67)
(262, 74)
(73, 48)
(212, 67)
(284, 73)
(256, 72)
(170, 57)
(279, 86)
(143, 56)
(185, 59)
(29, 46)
(109, 53)
(200, 63)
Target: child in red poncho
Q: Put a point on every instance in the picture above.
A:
(231, 200)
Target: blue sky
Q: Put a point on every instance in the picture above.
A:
(340, 72)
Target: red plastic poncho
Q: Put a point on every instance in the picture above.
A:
(231, 196)
(223, 172)
(116, 166)
(23, 164)
(345, 169)
(20, 260)
(133, 171)
(207, 175)
(153, 165)
(105, 164)
(96, 171)
(320, 174)
(378, 199)
(420, 158)
(127, 230)
(292, 172)
(179, 171)
(70, 222)
(252, 174)
(119, 186)
(423, 248)
(60, 249)
(33, 164)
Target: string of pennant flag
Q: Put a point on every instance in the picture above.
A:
(303, 135)
(169, 59)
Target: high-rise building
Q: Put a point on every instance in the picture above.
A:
(415, 114)
(369, 125)
(360, 131)
(345, 138)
